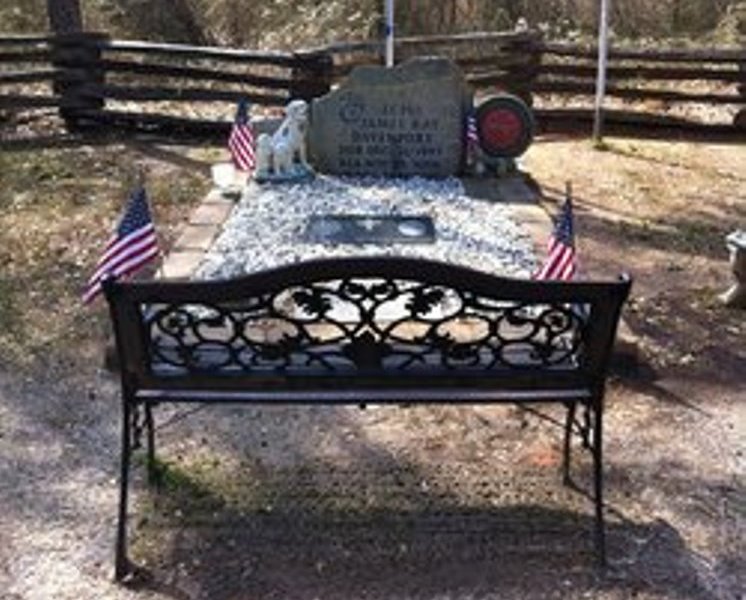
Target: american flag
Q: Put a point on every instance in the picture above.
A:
(560, 263)
(241, 141)
(133, 244)
(472, 134)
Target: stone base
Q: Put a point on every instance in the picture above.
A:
(299, 175)
(735, 297)
(494, 167)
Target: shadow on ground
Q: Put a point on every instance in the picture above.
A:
(440, 551)
(230, 525)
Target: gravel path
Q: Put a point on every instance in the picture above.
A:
(261, 515)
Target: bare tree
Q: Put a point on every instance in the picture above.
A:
(64, 16)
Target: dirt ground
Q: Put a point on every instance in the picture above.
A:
(427, 502)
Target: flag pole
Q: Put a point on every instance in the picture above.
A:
(389, 32)
(140, 176)
(603, 53)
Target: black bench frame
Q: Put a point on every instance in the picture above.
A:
(530, 341)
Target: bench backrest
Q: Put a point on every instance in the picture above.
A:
(374, 319)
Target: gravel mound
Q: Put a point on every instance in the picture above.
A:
(266, 228)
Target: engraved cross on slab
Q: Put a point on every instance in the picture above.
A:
(370, 229)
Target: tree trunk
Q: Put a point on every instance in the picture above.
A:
(64, 16)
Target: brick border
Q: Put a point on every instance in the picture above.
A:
(203, 226)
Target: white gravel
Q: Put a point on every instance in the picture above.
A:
(266, 228)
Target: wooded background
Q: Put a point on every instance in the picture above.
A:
(293, 23)
(179, 66)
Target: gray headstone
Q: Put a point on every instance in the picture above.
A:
(407, 120)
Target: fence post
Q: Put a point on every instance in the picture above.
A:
(78, 57)
(311, 74)
(525, 55)
(603, 57)
(64, 16)
(739, 120)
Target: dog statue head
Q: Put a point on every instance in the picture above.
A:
(297, 111)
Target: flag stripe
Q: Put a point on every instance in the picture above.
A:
(472, 133)
(125, 253)
(569, 271)
(561, 261)
(243, 160)
(135, 262)
(241, 143)
(116, 245)
(241, 147)
(138, 241)
(122, 268)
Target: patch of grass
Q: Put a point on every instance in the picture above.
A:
(700, 236)
(688, 236)
(198, 491)
(601, 145)
(178, 482)
(57, 210)
(8, 311)
(11, 325)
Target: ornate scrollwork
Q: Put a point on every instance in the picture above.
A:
(365, 323)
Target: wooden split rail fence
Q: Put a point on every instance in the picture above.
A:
(93, 81)
(668, 91)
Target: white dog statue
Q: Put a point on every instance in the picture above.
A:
(263, 155)
(282, 156)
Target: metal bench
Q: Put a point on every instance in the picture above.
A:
(364, 331)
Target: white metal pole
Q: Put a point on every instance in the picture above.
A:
(389, 16)
(603, 53)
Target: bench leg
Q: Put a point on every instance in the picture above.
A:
(569, 421)
(122, 564)
(598, 484)
(153, 472)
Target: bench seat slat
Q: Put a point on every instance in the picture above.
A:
(361, 396)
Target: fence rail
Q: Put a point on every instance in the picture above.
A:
(27, 75)
(650, 88)
(92, 80)
(706, 55)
